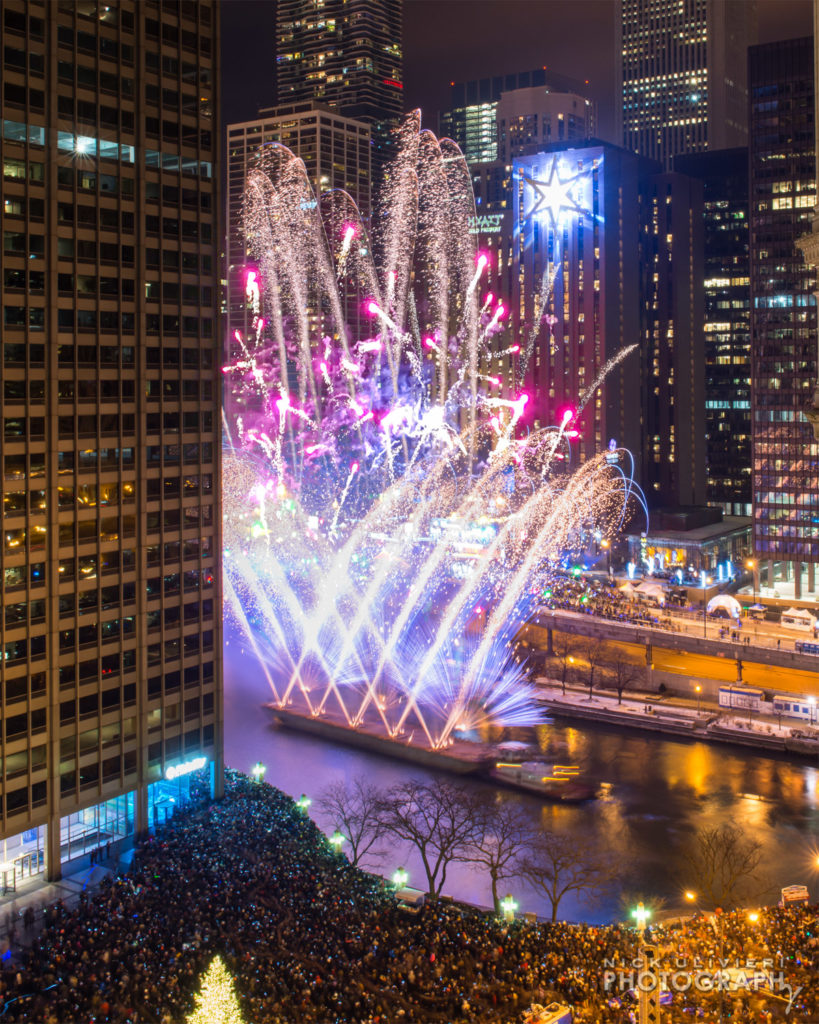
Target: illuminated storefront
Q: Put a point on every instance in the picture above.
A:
(22, 855)
(721, 548)
(92, 827)
(182, 784)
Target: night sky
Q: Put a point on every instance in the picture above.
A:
(459, 39)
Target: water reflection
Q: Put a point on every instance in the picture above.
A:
(653, 794)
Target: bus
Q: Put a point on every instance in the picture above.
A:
(746, 697)
(791, 705)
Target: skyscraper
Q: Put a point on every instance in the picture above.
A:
(724, 175)
(682, 75)
(783, 314)
(111, 630)
(474, 122)
(346, 54)
(336, 155)
(616, 244)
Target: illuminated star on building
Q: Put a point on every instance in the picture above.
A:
(557, 195)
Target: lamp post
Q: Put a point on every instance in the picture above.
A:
(691, 897)
(258, 770)
(752, 566)
(337, 840)
(698, 690)
(400, 878)
(704, 620)
(303, 803)
(606, 545)
(812, 702)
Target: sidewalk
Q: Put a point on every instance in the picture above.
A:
(36, 894)
(681, 716)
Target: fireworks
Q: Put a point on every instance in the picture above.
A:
(378, 483)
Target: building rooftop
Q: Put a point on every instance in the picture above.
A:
(728, 524)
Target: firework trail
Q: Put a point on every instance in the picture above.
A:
(378, 488)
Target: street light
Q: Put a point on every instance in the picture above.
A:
(753, 917)
(303, 803)
(509, 906)
(606, 545)
(400, 878)
(258, 770)
(751, 564)
(698, 690)
(704, 620)
(812, 702)
(692, 897)
(337, 840)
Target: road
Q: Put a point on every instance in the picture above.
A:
(682, 663)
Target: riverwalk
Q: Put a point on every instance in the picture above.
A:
(679, 716)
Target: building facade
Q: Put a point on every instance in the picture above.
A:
(681, 75)
(605, 254)
(336, 152)
(783, 314)
(475, 122)
(347, 55)
(111, 628)
(727, 292)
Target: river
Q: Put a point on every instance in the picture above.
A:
(654, 793)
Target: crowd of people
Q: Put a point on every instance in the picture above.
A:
(309, 938)
(603, 600)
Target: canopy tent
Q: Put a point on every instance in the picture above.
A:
(726, 603)
(650, 591)
(798, 618)
(798, 613)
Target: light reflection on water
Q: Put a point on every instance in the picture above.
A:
(660, 792)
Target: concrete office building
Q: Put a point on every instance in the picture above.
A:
(336, 152)
(530, 114)
(111, 634)
(529, 119)
(681, 70)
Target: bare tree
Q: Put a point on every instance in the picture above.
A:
(557, 866)
(593, 651)
(622, 676)
(722, 865)
(506, 837)
(438, 819)
(354, 810)
(565, 648)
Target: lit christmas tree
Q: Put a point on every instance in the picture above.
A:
(216, 1003)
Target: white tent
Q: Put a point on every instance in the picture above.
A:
(726, 603)
(650, 591)
(797, 618)
(797, 613)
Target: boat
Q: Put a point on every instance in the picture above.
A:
(558, 782)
